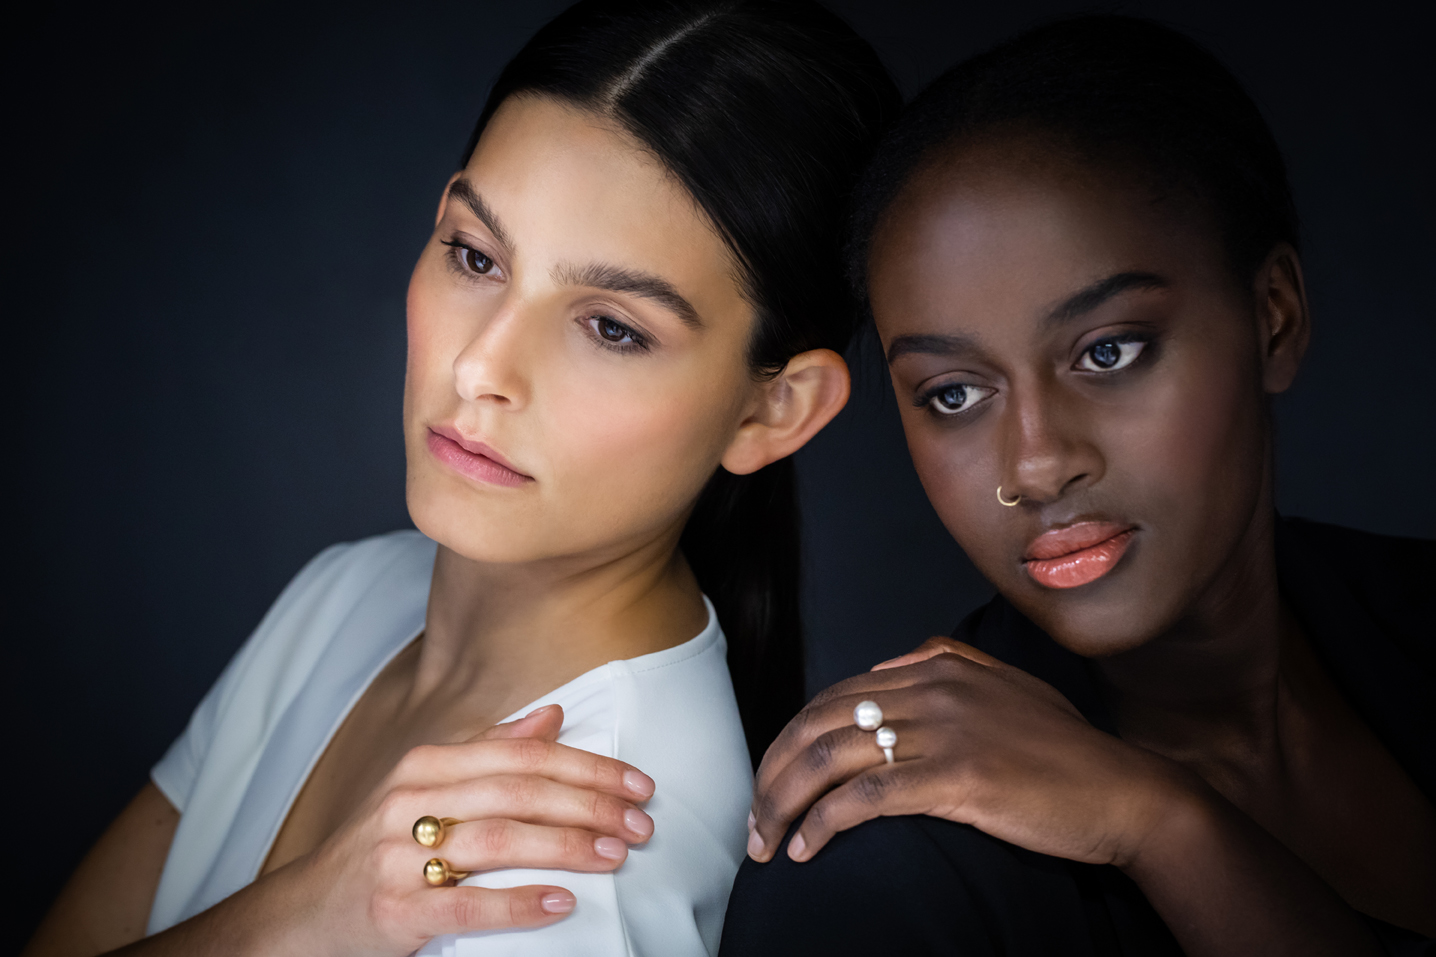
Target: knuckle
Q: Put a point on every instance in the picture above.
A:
(418, 758)
(390, 856)
(530, 753)
(467, 910)
(822, 754)
(870, 788)
(387, 911)
(495, 839)
(575, 845)
(521, 908)
(518, 790)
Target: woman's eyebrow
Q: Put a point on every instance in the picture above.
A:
(932, 345)
(464, 192)
(1099, 292)
(644, 285)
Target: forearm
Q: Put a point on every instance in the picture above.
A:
(1224, 886)
(261, 918)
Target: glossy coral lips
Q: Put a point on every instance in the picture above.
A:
(1078, 554)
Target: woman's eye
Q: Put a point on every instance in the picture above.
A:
(952, 399)
(1109, 355)
(613, 332)
(609, 330)
(471, 259)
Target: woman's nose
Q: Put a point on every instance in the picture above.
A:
(491, 366)
(1047, 453)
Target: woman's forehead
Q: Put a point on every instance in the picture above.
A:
(991, 238)
(570, 187)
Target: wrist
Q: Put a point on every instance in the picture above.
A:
(1182, 818)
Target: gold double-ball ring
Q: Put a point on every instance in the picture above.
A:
(429, 831)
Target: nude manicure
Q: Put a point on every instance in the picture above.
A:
(611, 848)
(639, 783)
(638, 822)
(558, 902)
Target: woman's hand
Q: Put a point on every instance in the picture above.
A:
(523, 800)
(978, 742)
(982, 743)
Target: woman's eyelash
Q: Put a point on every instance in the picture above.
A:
(953, 399)
(460, 257)
(609, 333)
(1112, 353)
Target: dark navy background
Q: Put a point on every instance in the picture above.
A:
(210, 222)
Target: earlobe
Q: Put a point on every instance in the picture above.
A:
(1284, 318)
(812, 388)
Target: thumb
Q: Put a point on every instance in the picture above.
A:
(545, 723)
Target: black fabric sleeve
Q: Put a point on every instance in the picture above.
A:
(924, 886)
(1398, 941)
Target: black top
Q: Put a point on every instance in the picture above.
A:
(922, 885)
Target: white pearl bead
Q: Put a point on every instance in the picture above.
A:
(887, 738)
(868, 715)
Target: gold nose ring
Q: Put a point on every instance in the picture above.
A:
(1005, 501)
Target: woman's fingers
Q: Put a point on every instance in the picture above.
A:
(545, 723)
(451, 763)
(495, 842)
(885, 790)
(826, 762)
(455, 910)
(939, 645)
(522, 797)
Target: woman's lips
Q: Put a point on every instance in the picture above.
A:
(1073, 556)
(475, 460)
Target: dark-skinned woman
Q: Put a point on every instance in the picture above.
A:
(1185, 725)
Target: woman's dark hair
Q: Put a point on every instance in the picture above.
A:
(766, 110)
(1112, 91)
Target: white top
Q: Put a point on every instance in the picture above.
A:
(255, 737)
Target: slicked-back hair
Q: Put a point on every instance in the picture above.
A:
(766, 112)
(1112, 91)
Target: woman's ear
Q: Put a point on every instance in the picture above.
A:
(812, 388)
(1283, 319)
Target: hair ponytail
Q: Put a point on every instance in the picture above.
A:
(766, 111)
(742, 542)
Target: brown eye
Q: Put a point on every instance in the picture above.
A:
(468, 258)
(610, 330)
(477, 261)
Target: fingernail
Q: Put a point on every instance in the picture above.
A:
(638, 822)
(547, 707)
(751, 820)
(796, 847)
(638, 782)
(558, 902)
(611, 848)
(755, 846)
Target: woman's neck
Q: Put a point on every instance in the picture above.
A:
(1211, 687)
(503, 635)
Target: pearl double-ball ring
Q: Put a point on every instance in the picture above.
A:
(887, 740)
(868, 716)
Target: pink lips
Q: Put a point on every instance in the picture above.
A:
(473, 459)
(1078, 554)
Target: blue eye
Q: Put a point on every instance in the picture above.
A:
(1109, 355)
(956, 397)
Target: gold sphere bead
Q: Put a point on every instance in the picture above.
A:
(436, 872)
(428, 831)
